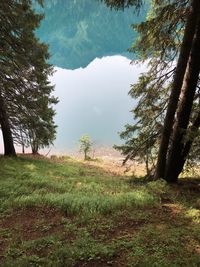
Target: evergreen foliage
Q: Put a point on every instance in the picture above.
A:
(121, 4)
(25, 90)
(168, 33)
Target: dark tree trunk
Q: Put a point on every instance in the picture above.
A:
(174, 165)
(188, 144)
(85, 155)
(9, 149)
(23, 150)
(22, 141)
(176, 87)
(33, 142)
(34, 149)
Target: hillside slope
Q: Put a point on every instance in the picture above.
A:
(66, 213)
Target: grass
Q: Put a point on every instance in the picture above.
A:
(65, 213)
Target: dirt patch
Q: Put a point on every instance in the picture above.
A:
(121, 228)
(30, 224)
(3, 245)
(94, 263)
(197, 250)
(173, 209)
(113, 166)
(126, 229)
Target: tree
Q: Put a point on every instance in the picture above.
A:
(85, 145)
(186, 45)
(177, 152)
(121, 4)
(9, 149)
(42, 132)
(34, 124)
(141, 139)
(170, 31)
(23, 75)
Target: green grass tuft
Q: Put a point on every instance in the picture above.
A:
(61, 212)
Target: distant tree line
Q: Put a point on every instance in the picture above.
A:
(26, 101)
(166, 133)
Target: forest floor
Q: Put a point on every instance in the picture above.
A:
(69, 213)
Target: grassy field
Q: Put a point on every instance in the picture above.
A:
(66, 213)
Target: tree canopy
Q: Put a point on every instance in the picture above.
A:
(25, 93)
(121, 4)
(168, 108)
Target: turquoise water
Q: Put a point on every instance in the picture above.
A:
(92, 88)
(78, 31)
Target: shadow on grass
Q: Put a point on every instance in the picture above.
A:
(69, 214)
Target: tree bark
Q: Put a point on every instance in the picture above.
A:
(188, 144)
(34, 148)
(9, 149)
(184, 110)
(176, 86)
(22, 141)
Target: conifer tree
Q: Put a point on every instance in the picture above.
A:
(177, 153)
(169, 33)
(25, 90)
(186, 45)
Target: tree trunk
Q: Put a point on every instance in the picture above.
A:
(22, 141)
(188, 144)
(176, 86)
(184, 110)
(34, 148)
(9, 149)
(85, 155)
(23, 150)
